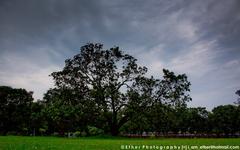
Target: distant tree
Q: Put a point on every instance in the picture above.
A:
(225, 119)
(161, 118)
(15, 110)
(238, 99)
(197, 120)
(38, 118)
(238, 119)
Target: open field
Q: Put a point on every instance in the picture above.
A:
(96, 143)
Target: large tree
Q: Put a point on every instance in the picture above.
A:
(117, 85)
(102, 76)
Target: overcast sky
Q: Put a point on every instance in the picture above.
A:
(199, 38)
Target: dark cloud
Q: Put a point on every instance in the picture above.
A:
(200, 38)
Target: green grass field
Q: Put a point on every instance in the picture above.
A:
(97, 143)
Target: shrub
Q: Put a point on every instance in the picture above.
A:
(42, 130)
(94, 131)
(11, 133)
(77, 134)
(24, 131)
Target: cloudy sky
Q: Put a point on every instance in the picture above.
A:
(199, 38)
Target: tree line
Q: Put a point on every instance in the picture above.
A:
(105, 91)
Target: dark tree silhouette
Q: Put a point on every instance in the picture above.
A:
(101, 76)
(238, 99)
(115, 83)
(15, 110)
(106, 90)
(225, 119)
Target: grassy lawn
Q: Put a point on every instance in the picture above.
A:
(96, 143)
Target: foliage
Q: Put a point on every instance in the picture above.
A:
(225, 119)
(105, 91)
(77, 133)
(15, 109)
(99, 75)
(94, 131)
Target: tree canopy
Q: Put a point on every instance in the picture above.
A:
(109, 79)
(106, 91)
(15, 109)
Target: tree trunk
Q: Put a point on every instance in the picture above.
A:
(114, 130)
(114, 124)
